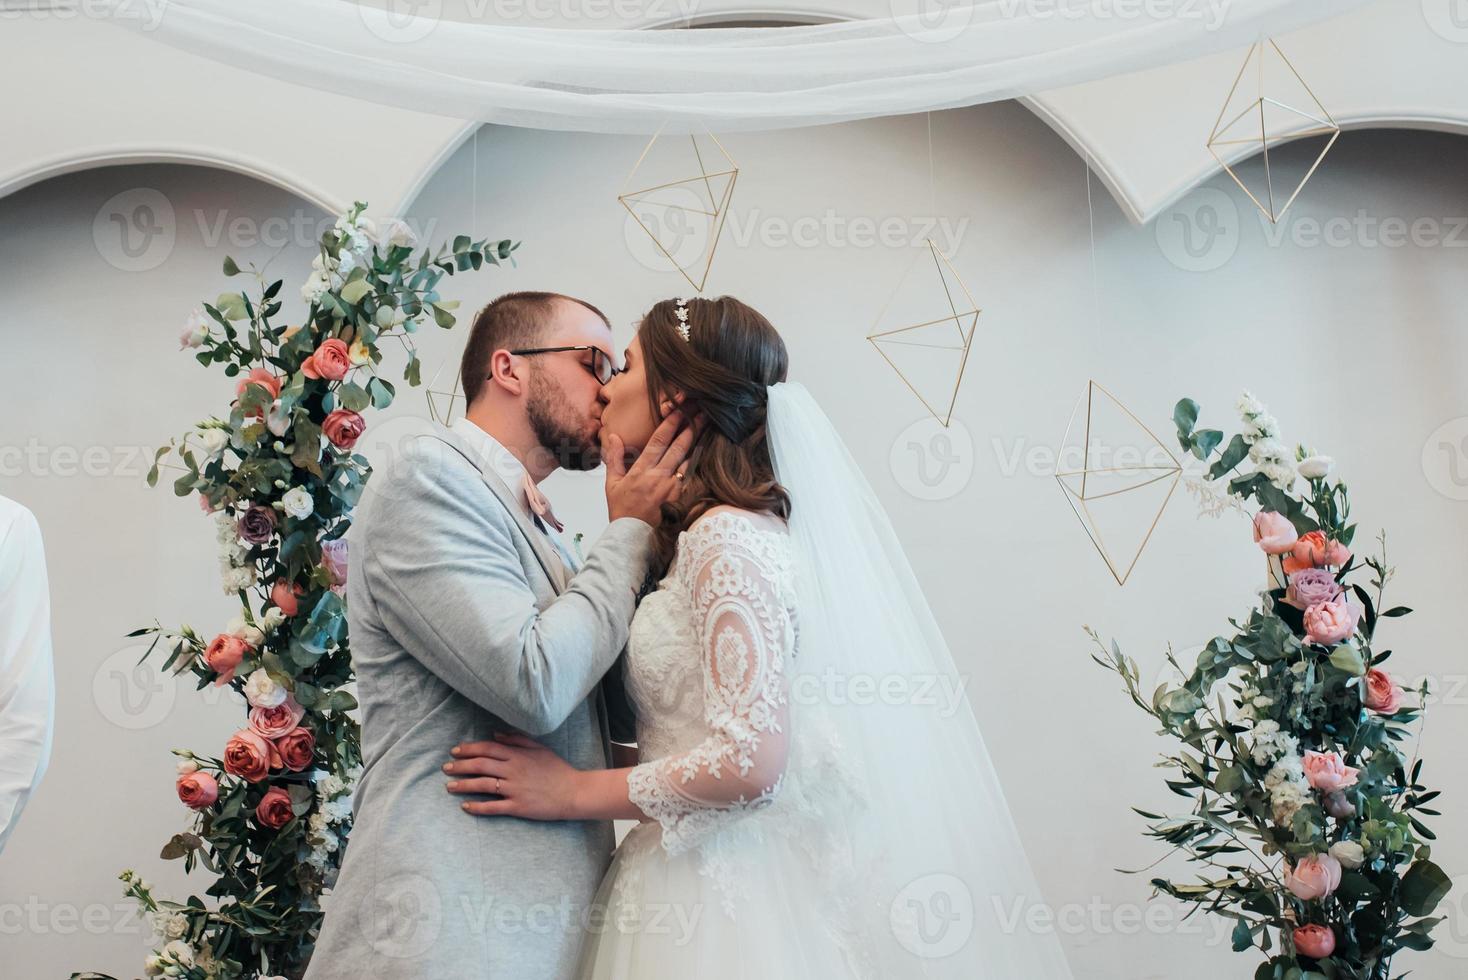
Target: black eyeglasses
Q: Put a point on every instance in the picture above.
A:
(602, 367)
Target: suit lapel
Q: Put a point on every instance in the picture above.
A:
(540, 543)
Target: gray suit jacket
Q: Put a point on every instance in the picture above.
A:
(464, 622)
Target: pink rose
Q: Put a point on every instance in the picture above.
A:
(274, 809)
(1331, 622)
(343, 428)
(1314, 877)
(264, 379)
(331, 361)
(1380, 693)
(250, 756)
(334, 560)
(223, 655)
(1328, 773)
(296, 748)
(197, 790)
(272, 723)
(1274, 533)
(1311, 586)
(1313, 551)
(1316, 942)
(283, 597)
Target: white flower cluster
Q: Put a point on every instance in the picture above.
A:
(1270, 743)
(1261, 433)
(236, 570)
(360, 235)
(331, 821)
(1288, 788)
(1253, 704)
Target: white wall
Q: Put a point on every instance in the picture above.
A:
(1355, 346)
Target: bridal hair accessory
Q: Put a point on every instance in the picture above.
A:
(682, 311)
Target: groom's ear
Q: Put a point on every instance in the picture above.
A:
(507, 371)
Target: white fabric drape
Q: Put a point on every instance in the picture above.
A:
(27, 679)
(631, 81)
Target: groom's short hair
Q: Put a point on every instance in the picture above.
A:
(509, 322)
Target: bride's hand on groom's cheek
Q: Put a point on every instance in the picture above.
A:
(531, 781)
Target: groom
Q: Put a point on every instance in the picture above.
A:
(469, 617)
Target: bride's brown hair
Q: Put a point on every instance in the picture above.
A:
(731, 356)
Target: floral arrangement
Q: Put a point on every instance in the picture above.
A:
(1307, 825)
(271, 809)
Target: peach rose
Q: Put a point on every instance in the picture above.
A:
(1331, 622)
(296, 748)
(223, 655)
(283, 597)
(1380, 693)
(262, 377)
(1312, 550)
(331, 361)
(343, 427)
(1273, 533)
(250, 756)
(272, 723)
(1316, 942)
(274, 809)
(197, 790)
(1328, 773)
(1314, 877)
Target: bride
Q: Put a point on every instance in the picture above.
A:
(813, 795)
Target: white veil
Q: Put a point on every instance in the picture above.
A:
(945, 888)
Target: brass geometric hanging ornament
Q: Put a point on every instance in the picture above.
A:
(1283, 109)
(681, 198)
(1116, 490)
(926, 330)
(445, 394)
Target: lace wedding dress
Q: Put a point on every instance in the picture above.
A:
(797, 827)
(736, 873)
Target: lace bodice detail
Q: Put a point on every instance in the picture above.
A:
(708, 670)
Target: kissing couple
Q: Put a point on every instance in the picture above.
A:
(694, 673)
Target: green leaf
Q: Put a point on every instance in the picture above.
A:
(230, 269)
(353, 396)
(1230, 779)
(1185, 414)
(353, 291)
(1242, 937)
(231, 306)
(1205, 441)
(1347, 658)
(1232, 456)
(1423, 886)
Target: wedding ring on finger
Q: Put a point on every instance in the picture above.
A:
(497, 786)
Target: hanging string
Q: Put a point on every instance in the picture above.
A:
(932, 180)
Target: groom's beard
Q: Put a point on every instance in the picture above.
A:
(560, 431)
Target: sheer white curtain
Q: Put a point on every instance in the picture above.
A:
(630, 81)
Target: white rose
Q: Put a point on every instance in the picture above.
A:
(315, 287)
(186, 766)
(272, 620)
(1348, 853)
(196, 330)
(180, 951)
(213, 440)
(1249, 405)
(277, 420)
(153, 965)
(297, 502)
(176, 926)
(395, 231)
(238, 579)
(262, 691)
(245, 631)
(1315, 467)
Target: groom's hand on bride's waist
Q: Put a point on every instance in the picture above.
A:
(641, 490)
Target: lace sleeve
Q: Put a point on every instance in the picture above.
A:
(746, 635)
